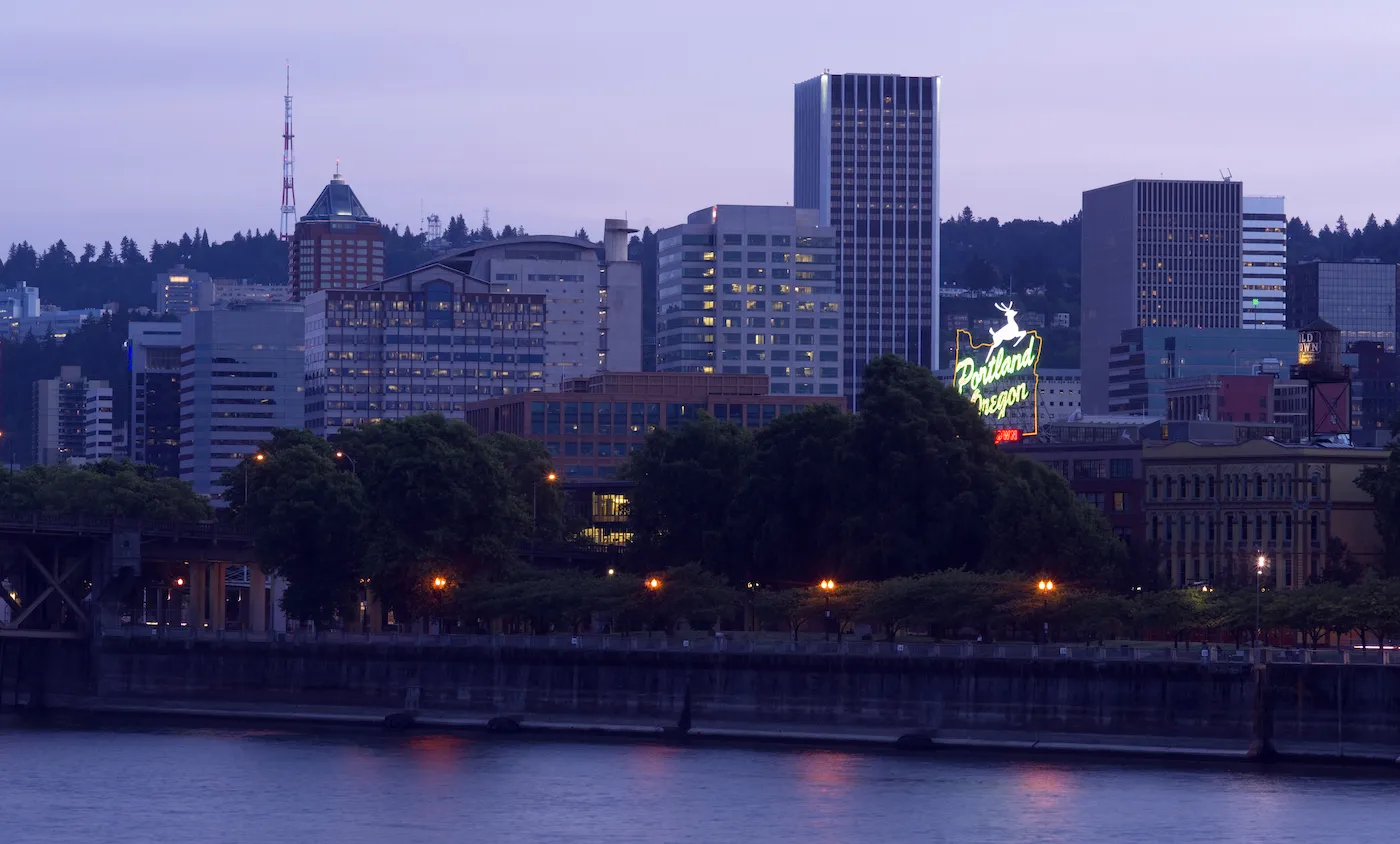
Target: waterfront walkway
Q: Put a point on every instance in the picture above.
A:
(708, 644)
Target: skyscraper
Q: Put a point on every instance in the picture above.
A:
(337, 245)
(72, 418)
(865, 155)
(1265, 248)
(241, 378)
(1155, 253)
(751, 289)
(153, 366)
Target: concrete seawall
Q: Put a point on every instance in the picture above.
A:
(1332, 710)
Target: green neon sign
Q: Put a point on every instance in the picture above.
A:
(1005, 379)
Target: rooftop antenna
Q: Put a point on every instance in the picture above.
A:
(486, 218)
(289, 192)
(1226, 174)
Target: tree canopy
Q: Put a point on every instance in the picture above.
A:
(108, 490)
(909, 485)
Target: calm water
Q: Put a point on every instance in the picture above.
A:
(254, 786)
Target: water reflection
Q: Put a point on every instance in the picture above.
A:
(237, 786)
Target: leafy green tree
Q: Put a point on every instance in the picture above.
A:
(784, 522)
(440, 502)
(107, 489)
(918, 463)
(685, 479)
(307, 514)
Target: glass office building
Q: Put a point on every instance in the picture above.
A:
(1358, 297)
(865, 155)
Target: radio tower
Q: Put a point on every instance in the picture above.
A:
(289, 191)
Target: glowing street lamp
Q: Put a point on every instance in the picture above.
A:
(1259, 565)
(653, 583)
(439, 582)
(1045, 586)
(827, 586)
(354, 469)
(535, 511)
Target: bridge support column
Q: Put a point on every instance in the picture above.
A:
(257, 599)
(218, 595)
(199, 594)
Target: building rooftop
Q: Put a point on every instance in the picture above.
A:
(338, 202)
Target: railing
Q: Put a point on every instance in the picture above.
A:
(706, 644)
(44, 523)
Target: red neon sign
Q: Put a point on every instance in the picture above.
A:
(1007, 435)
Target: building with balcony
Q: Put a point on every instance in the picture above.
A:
(72, 418)
(1215, 509)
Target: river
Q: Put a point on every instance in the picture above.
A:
(249, 786)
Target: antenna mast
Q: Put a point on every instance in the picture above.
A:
(289, 192)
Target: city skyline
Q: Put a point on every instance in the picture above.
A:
(554, 122)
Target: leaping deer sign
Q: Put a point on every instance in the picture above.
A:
(1010, 331)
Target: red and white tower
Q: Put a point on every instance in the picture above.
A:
(289, 192)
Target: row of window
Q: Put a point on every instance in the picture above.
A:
(1197, 528)
(1232, 486)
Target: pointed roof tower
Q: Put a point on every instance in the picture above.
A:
(338, 203)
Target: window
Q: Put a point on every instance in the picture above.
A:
(733, 272)
(1121, 468)
(1120, 502)
(734, 256)
(732, 240)
(757, 257)
(782, 240)
(758, 240)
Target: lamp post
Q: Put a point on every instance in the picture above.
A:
(247, 471)
(354, 469)
(1045, 587)
(1258, 591)
(827, 587)
(535, 511)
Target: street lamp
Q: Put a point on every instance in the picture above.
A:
(653, 583)
(1259, 565)
(535, 511)
(1045, 587)
(247, 471)
(354, 469)
(439, 582)
(827, 587)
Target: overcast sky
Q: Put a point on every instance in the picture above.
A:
(152, 118)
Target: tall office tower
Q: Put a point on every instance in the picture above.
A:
(1155, 253)
(865, 155)
(592, 296)
(1358, 297)
(337, 245)
(1264, 277)
(97, 422)
(182, 290)
(751, 289)
(241, 377)
(433, 340)
(61, 411)
(153, 376)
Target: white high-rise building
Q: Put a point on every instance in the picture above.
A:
(1264, 284)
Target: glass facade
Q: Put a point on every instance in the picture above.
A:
(866, 156)
(1357, 297)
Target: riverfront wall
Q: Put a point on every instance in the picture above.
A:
(1136, 701)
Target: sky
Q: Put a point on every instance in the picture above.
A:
(152, 118)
